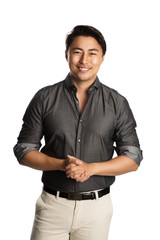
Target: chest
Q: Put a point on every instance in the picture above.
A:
(91, 114)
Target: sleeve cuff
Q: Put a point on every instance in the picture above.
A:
(20, 149)
(132, 152)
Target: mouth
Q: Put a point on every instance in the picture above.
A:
(83, 69)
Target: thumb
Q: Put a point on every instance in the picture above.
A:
(74, 160)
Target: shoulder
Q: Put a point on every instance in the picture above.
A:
(117, 102)
(113, 96)
(43, 95)
(47, 90)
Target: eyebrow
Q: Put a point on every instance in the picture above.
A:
(93, 49)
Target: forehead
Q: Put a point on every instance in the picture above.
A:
(85, 43)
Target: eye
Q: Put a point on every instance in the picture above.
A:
(93, 54)
(77, 52)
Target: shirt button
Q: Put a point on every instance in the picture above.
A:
(81, 120)
(79, 140)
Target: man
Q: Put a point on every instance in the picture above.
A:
(81, 119)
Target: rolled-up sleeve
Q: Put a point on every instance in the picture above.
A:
(127, 142)
(20, 149)
(31, 133)
(130, 151)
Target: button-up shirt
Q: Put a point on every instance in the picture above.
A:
(106, 124)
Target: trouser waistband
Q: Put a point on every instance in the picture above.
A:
(78, 196)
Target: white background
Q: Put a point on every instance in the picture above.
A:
(32, 56)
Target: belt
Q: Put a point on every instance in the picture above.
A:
(78, 196)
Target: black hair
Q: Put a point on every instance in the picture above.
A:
(88, 31)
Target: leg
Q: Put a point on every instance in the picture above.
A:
(92, 219)
(53, 218)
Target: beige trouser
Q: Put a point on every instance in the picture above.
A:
(62, 219)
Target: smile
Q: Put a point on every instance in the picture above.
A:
(82, 69)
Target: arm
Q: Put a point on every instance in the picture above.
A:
(41, 161)
(29, 141)
(81, 171)
(117, 166)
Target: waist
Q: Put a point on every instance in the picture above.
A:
(78, 195)
(57, 180)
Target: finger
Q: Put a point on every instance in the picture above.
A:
(78, 178)
(74, 160)
(74, 174)
(70, 166)
(70, 157)
(71, 169)
(84, 177)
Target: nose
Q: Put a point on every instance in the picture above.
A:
(84, 58)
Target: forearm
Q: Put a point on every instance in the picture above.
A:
(41, 161)
(116, 166)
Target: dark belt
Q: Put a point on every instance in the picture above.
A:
(78, 196)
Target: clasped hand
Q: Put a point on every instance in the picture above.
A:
(77, 169)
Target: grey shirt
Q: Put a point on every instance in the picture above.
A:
(106, 124)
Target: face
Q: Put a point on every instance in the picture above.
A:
(84, 57)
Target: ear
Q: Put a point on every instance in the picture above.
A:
(102, 59)
(66, 55)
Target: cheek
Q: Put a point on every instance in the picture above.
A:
(73, 62)
(96, 62)
(74, 59)
(72, 66)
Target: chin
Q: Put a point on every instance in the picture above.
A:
(84, 77)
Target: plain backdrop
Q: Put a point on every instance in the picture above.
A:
(32, 37)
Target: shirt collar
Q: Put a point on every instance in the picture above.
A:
(69, 84)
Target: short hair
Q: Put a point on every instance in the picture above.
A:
(88, 31)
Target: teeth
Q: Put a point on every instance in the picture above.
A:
(84, 69)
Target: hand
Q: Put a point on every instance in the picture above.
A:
(77, 169)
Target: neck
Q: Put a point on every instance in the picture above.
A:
(82, 86)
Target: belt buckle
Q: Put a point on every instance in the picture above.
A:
(89, 196)
(93, 195)
(74, 196)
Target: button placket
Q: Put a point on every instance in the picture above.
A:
(74, 92)
(79, 139)
(77, 103)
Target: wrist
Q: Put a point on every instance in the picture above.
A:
(92, 169)
(55, 163)
(62, 164)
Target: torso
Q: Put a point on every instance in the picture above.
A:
(83, 98)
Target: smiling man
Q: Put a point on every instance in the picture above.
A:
(83, 122)
(85, 57)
